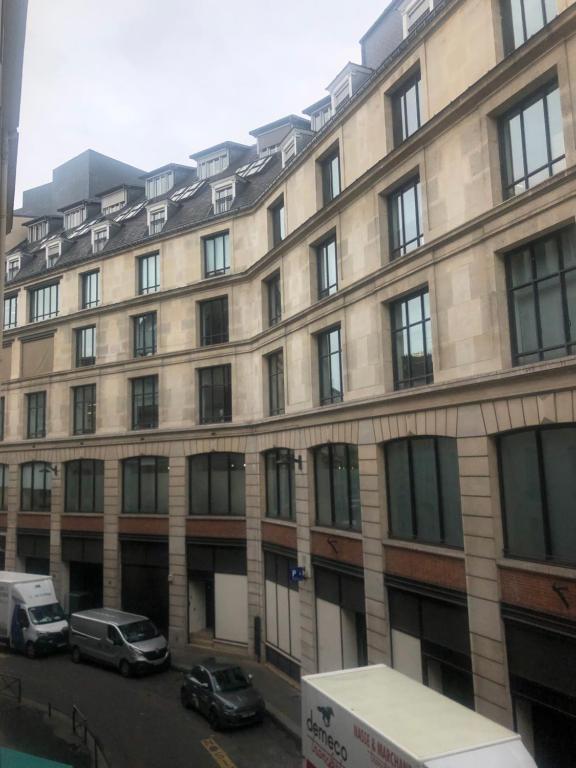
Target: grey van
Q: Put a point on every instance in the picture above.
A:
(126, 641)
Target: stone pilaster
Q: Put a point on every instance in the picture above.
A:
(178, 574)
(378, 635)
(111, 570)
(254, 496)
(56, 509)
(304, 511)
(479, 494)
(13, 504)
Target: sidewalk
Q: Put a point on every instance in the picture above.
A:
(282, 697)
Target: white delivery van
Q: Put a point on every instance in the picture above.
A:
(375, 717)
(31, 618)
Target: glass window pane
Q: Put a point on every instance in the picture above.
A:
(546, 257)
(559, 455)
(571, 302)
(199, 485)
(162, 499)
(237, 484)
(72, 486)
(341, 489)
(450, 481)
(525, 320)
(535, 136)
(219, 480)
(399, 495)
(555, 124)
(285, 487)
(99, 483)
(147, 485)
(426, 490)
(271, 485)
(520, 267)
(514, 155)
(522, 496)
(533, 16)
(322, 477)
(131, 485)
(551, 314)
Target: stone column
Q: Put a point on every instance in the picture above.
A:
(480, 503)
(304, 516)
(178, 573)
(378, 634)
(111, 546)
(13, 504)
(56, 509)
(255, 574)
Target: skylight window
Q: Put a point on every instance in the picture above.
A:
(83, 228)
(132, 211)
(253, 168)
(184, 193)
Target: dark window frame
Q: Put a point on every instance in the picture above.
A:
(90, 287)
(276, 390)
(544, 501)
(412, 381)
(225, 268)
(2, 416)
(226, 387)
(83, 495)
(508, 25)
(35, 415)
(82, 335)
(137, 460)
(399, 245)
(274, 298)
(140, 332)
(327, 386)
(400, 108)
(331, 181)
(138, 399)
(148, 269)
(520, 107)
(4, 468)
(570, 344)
(411, 492)
(230, 456)
(84, 399)
(323, 258)
(53, 301)
(280, 457)
(220, 304)
(45, 490)
(278, 220)
(11, 311)
(353, 525)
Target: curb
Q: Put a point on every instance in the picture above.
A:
(272, 712)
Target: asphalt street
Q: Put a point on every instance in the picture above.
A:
(141, 722)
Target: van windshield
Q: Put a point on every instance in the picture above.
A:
(139, 630)
(46, 614)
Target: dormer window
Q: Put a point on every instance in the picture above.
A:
(414, 12)
(100, 237)
(320, 118)
(37, 231)
(212, 166)
(288, 151)
(52, 254)
(159, 185)
(222, 198)
(75, 217)
(341, 95)
(156, 220)
(12, 267)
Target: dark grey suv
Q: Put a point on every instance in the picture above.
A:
(223, 693)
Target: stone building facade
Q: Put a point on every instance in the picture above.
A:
(349, 349)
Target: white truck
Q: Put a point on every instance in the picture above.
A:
(375, 717)
(31, 618)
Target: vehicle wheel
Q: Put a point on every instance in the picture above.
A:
(125, 669)
(185, 699)
(214, 719)
(30, 650)
(76, 655)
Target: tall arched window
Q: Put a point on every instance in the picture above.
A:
(36, 487)
(145, 485)
(337, 486)
(84, 486)
(3, 486)
(216, 483)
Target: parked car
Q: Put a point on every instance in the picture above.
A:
(223, 694)
(126, 641)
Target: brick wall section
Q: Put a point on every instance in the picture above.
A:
(146, 525)
(112, 574)
(304, 517)
(177, 569)
(217, 529)
(254, 570)
(442, 570)
(479, 495)
(32, 522)
(334, 547)
(377, 628)
(83, 523)
(536, 591)
(279, 534)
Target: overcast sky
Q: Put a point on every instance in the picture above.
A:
(151, 81)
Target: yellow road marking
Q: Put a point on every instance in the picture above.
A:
(217, 753)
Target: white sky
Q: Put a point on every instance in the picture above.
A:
(151, 81)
